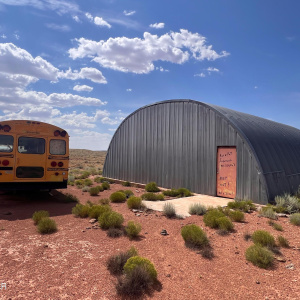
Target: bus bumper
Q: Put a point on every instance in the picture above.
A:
(45, 185)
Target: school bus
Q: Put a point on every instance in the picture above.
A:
(33, 155)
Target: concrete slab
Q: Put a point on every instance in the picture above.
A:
(182, 204)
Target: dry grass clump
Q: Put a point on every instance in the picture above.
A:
(105, 185)
(243, 205)
(268, 212)
(152, 197)
(283, 242)
(97, 210)
(117, 197)
(151, 187)
(211, 216)
(133, 229)
(194, 236)
(46, 226)
(134, 202)
(260, 256)
(263, 238)
(276, 226)
(197, 209)
(81, 211)
(39, 215)
(224, 225)
(295, 219)
(169, 210)
(94, 191)
(181, 192)
(110, 219)
(236, 216)
(114, 232)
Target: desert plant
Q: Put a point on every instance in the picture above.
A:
(171, 193)
(194, 236)
(276, 226)
(287, 203)
(134, 202)
(85, 189)
(104, 201)
(105, 185)
(236, 216)
(79, 183)
(295, 219)
(46, 226)
(210, 218)
(81, 210)
(243, 205)
(114, 232)
(259, 256)
(268, 212)
(70, 198)
(71, 178)
(169, 210)
(110, 219)
(100, 188)
(97, 210)
(39, 215)
(84, 175)
(197, 209)
(115, 263)
(136, 261)
(283, 242)
(97, 179)
(117, 197)
(263, 238)
(94, 191)
(87, 182)
(183, 192)
(126, 183)
(152, 197)
(133, 229)
(224, 225)
(151, 187)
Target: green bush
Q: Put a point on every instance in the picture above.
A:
(115, 263)
(224, 224)
(110, 219)
(126, 183)
(243, 205)
(295, 219)
(268, 212)
(39, 215)
(263, 238)
(169, 210)
(79, 183)
(105, 185)
(104, 201)
(171, 193)
(94, 191)
(210, 218)
(87, 182)
(151, 187)
(70, 198)
(97, 210)
(287, 203)
(236, 216)
(97, 179)
(197, 209)
(259, 256)
(134, 202)
(71, 178)
(276, 226)
(283, 242)
(117, 197)
(46, 226)
(100, 188)
(81, 211)
(84, 175)
(194, 236)
(152, 197)
(114, 232)
(133, 229)
(183, 192)
(85, 189)
(136, 261)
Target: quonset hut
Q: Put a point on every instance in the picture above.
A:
(206, 148)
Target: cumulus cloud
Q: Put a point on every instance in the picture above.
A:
(76, 19)
(82, 88)
(62, 28)
(200, 75)
(89, 16)
(129, 12)
(138, 55)
(100, 22)
(157, 25)
(161, 69)
(92, 74)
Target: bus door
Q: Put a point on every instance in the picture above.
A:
(30, 158)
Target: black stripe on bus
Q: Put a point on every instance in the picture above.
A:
(6, 168)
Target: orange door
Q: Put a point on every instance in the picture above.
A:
(226, 172)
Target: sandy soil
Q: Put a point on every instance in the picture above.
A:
(70, 264)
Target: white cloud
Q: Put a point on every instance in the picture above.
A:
(100, 22)
(92, 74)
(17, 37)
(82, 88)
(210, 69)
(63, 28)
(129, 90)
(107, 120)
(129, 12)
(76, 19)
(161, 69)
(89, 16)
(256, 87)
(200, 75)
(3, 36)
(138, 55)
(157, 25)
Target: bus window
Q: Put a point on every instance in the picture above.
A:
(6, 143)
(58, 147)
(30, 145)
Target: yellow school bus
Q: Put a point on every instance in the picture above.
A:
(33, 155)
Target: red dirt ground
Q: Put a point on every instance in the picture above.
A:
(70, 264)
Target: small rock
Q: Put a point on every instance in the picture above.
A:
(83, 230)
(164, 232)
(290, 266)
(138, 215)
(92, 221)
(282, 215)
(281, 259)
(257, 282)
(137, 191)
(236, 252)
(135, 210)
(88, 228)
(146, 232)
(45, 246)
(168, 275)
(140, 211)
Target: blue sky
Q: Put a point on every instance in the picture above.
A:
(85, 65)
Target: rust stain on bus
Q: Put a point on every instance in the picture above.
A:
(226, 172)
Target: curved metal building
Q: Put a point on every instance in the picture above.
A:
(206, 148)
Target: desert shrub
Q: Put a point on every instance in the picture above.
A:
(224, 224)
(81, 211)
(295, 219)
(171, 193)
(71, 178)
(94, 191)
(117, 197)
(105, 185)
(97, 179)
(92, 171)
(268, 212)
(151, 187)
(39, 215)
(197, 209)
(259, 256)
(133, 229)
(128, 193)
(126, 183)
(194, 236)
(236, 216)
(263, 238)
(46, 226)
(85, 189)
(100, 188)
(136, 283)
(89, 203)
(71, 183)
(152, 197)
(97, 210)
(104, 201)
(84, 175)
(79, 183)
(169, 210)
(134, 202)
(243, 205)
(110, 219)
(210, 218)
(87, 182)
(283, 242)
(276, 226)
(114, 232)
(136, 261)
(183, 192)
(287, 203)
(67, 197)
(115, 263)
